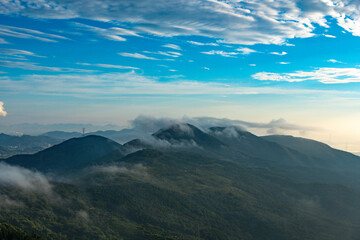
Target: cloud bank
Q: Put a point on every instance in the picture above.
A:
(241, 22)
(149, 124)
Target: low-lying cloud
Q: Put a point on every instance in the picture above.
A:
(24, 179)
(7, 202)
(152, 124)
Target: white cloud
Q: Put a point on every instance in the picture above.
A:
(10, 31)
(324, 75)
(17, 53)
(3, 113)
(279, 53)
(246, 51)
(252, 65)
(333, 61)
(3, 41)
(111, 33)
(221, 53)
(175, 53)
(137, 55)
(329, 36)
(124, 32)
(168, 53)
(103, 65)
(37, 67)
(206, 68)
(284, 63)
(173, 46)
(202, 44)
(24, 179)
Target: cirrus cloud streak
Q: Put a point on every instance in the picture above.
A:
(323, 75)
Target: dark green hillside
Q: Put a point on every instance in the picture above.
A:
(255, 146)
(8, 232)
(68, 155)
(156, 195)
(330, 157)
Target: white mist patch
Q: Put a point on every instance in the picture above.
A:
(24, 179)
(6, 202)
(137, 169)
(230, 132)
(164, 144)
(184, 129)
(83, 216)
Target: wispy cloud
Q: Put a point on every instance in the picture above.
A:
(111, 33)
(284, 63)
(3, 41)
(10, 31)
(168, 53)
(279, 53)
(202, 44)
(329, 36)
(37, 67)
(333, 61)
(246, 51)
(137, 55)
(3, 113)
(17, 53)
(173, 46)
(323, 75)
(103, 65)
(221, 53)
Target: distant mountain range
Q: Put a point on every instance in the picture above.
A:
(182, 182)
(25, 144)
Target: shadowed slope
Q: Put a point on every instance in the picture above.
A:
(68, 155)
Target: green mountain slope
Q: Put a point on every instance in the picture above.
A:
(8, 232)
(178, 195)
(68, 155)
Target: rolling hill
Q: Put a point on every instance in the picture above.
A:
(68, 155)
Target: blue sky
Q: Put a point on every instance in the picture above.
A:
(110, 61)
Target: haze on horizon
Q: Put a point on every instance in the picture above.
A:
(257, 61)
